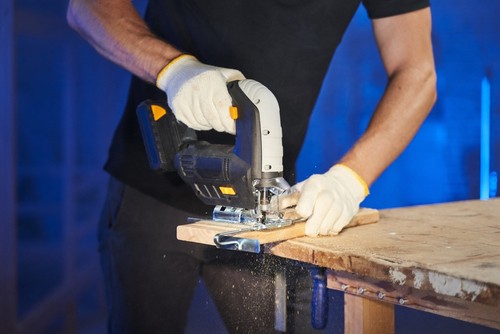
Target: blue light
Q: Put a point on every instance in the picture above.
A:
(484, 185)
(493, 184)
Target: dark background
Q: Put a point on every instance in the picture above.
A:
(68, 101)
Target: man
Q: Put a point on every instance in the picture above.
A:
(189, 49)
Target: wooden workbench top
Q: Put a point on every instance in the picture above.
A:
(443, 258)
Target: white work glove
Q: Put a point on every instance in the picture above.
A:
(197, 93)
(328, 201)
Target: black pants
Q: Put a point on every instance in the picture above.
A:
(150, 276)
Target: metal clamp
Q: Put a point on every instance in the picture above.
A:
(227, 240)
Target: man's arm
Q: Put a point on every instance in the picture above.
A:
(117, 31)
(330, 200)
(405, 46)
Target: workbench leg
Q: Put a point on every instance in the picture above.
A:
(366, 316)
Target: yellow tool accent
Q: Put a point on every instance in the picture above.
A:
(227, 190)
(158, 112)
(233, 112)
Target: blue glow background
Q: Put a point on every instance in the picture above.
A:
(69, 100)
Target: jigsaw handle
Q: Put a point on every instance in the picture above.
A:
(258, 127)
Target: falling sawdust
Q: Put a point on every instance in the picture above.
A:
(255, 291)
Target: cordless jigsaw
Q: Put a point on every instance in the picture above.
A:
(243, 181)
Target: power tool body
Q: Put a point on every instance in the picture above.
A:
(243, 181)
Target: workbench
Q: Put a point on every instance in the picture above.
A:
(442, 258)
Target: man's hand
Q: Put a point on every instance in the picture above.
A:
(328, 201)
(197, 93)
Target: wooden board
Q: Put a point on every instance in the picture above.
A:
(441, 258)
(204, 231)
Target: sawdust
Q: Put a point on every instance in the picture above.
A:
(253, 293)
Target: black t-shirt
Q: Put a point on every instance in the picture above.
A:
(287, 45)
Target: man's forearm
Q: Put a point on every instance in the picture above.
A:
(405, 47)
(116, 30)
(408, 98)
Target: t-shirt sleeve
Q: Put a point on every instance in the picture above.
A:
(383, 8)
